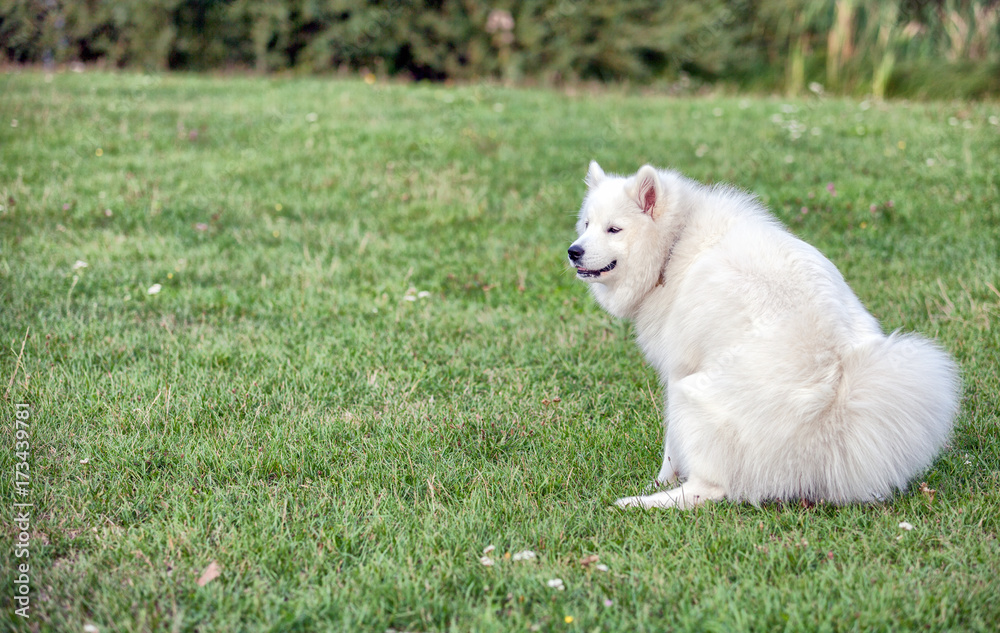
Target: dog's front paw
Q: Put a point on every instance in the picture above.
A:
(630, 502)
(684, 497)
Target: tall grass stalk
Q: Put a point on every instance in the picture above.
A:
(887, 18)
(840, 40)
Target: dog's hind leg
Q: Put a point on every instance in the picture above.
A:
(688, 495)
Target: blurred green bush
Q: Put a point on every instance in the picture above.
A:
(934, 48)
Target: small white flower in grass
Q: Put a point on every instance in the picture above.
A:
(717, 112)
(701, 151)
(557, 584)
(85, 460)
(524, 555)
(601, 567)
(906, 525)
(312, 117)
(994, 120)
(423, 294)
(79, 264)
(929, 162)
(90, 628)
(154, 289)
(485, 559)
(816, 88)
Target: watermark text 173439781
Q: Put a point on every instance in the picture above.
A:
(22, 510)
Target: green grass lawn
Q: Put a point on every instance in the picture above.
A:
(367, 360)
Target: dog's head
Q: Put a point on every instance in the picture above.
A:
(618, 250)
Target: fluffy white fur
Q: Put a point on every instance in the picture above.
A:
(779, 384)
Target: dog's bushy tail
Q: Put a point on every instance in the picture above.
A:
(897, 401)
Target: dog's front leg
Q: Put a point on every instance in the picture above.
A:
(667, 474)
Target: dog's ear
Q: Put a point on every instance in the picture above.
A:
(594, 175)
(647, 191)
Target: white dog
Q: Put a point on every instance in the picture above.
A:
(779, 384)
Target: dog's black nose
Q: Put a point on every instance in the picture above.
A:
(575, 252)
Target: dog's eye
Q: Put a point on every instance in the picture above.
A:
(613, 229)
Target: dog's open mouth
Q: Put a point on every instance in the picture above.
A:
(583, 272)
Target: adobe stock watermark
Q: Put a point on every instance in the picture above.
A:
(22, 510)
